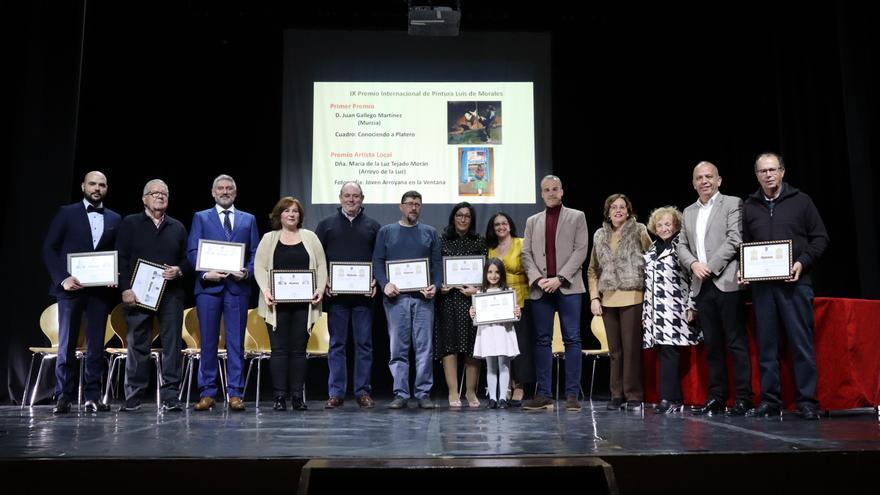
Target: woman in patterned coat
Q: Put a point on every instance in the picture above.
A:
(667, 309)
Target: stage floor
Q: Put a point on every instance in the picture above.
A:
(352, 433)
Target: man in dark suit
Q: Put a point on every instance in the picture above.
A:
(83, 226)
(708, 247)
(223, 293)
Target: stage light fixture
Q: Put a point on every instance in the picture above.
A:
(431, 20)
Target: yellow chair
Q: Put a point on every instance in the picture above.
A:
(116, 323)
(597, 326)
(192, 339)
(49, 327)
(319, 342)
(117, 327)
(256, 347)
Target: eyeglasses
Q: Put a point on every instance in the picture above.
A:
(462, 215)
(410, 204)
(768, 171)
(157, 194)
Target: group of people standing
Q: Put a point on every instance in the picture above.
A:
(648, 293)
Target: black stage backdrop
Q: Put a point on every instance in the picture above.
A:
(187, 90)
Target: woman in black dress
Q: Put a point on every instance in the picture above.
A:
(454, 332)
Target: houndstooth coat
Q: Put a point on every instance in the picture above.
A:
(667, 298)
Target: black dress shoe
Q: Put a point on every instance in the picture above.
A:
(711, 406)
(668, 407)
(297, 404)
(615, 404)
(740, 408)
(61, 407)
(808, 412)
(492, 404)
(765, 409)
(280, 404)
(92, 407)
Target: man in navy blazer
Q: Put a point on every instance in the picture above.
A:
(223, 293)
(84, 226)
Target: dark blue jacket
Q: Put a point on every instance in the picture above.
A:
(206, 225)
(70, 232)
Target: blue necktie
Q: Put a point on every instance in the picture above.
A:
(227, 225)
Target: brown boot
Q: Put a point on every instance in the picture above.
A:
(204, 404)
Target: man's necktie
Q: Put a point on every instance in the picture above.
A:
(227, 225)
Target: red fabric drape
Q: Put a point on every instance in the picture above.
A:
(847, 337)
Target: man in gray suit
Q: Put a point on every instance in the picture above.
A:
(554, 249)
(708, 247)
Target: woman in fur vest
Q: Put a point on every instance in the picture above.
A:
(616, 278)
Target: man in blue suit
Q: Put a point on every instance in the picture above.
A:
(223, 293)
(84, 226)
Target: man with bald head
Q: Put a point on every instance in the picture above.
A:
(153, 236)
(84, 226)
(349, 236)
(708, 248)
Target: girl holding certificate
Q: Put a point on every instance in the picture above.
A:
(289, 247)
(496, 342)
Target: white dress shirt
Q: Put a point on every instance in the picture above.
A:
(702, 224)
(96, 222)
(220, 211)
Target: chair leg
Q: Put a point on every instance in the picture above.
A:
(557, 378)
(28, 381)
(593, 377)
(259, 368)
(224, 379)
(461, 384)
(109, 379)
(37, 382)
(79, 393)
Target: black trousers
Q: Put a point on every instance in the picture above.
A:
(140, 335)
(670, 382)
(289, 338)
(722, 318)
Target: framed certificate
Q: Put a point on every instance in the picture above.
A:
(409, 275)
(351, 277)
(494, 307)
(95, 269)
(463, 270)
(769, 260)
(148, 284)
(219, 256)
(292, 286)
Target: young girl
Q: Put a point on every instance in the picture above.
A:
(496, 341)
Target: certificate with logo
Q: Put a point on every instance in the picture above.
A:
(219, 256)
(463, 270)
(292, 286)
(409, 275)
(95, 269)
(148, 284)
(351, 277)
(769, 260)
(494, 307)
